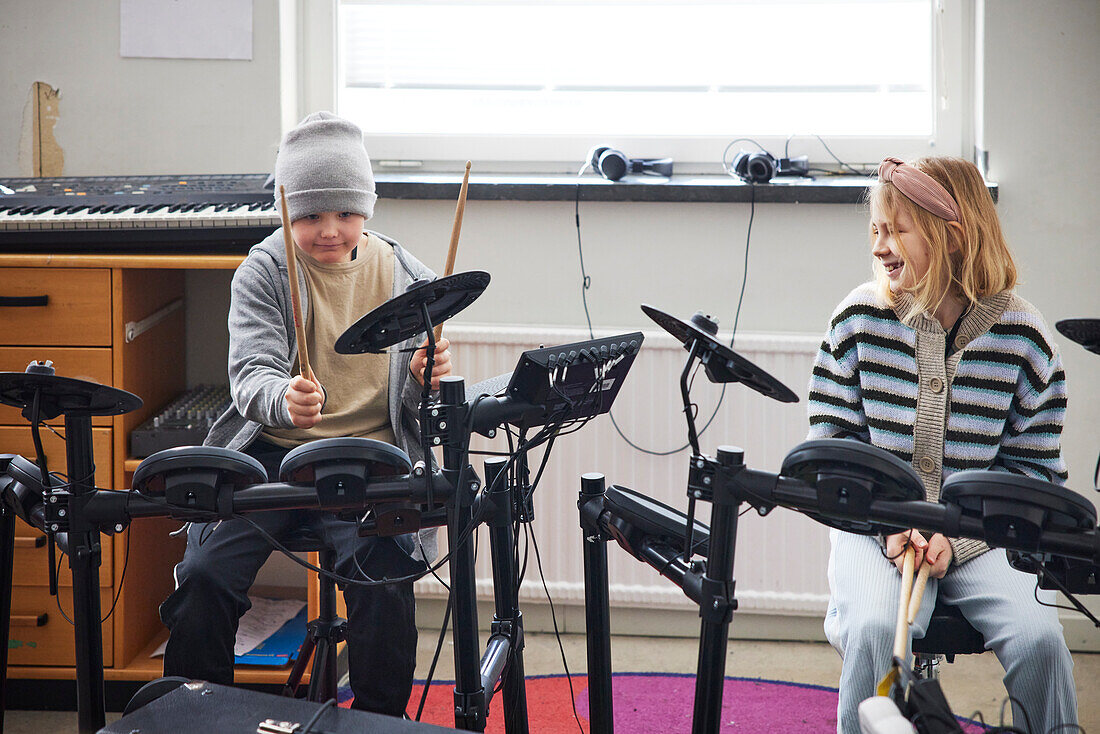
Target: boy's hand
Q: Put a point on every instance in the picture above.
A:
(442, 366)
(895, 548)
(304, 399)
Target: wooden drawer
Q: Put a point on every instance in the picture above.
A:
(32, 561)
(50, 643)
(17, 440)
(77, 312)
(91, 364)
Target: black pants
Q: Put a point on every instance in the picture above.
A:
(221, 562)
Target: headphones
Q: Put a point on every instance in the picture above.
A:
(759, 167)
(613, 165)
(762, 166)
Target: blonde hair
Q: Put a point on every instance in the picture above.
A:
(980, 264)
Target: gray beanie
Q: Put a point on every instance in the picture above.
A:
(325, 168)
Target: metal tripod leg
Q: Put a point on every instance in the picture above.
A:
(325, 633)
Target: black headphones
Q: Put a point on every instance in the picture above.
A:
(758, 167)
(761, 166)
(613, 165)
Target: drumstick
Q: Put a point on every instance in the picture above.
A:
(456, 229)
(918, 591)
(901, 634)
(295, 296)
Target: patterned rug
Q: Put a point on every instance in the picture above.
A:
(650, 703)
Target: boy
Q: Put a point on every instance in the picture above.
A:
(344, 272)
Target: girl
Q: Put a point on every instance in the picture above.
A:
(939, 362)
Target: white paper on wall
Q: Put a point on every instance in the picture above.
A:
(186, 29)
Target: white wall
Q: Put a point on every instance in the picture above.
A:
(1042, 103)
(136, 116)
(1041, 71)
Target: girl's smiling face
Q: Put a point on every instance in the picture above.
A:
(899, 248)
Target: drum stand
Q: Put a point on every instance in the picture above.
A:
(447, 425)
(7, 557)
(84, 560)
(709, 583)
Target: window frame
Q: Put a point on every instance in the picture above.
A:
(309, 39)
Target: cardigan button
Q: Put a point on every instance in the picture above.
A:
(926, 464)
(936, 384)
(960, 342)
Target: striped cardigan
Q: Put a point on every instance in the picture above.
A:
(997, 402)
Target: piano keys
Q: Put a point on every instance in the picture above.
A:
(207, 213)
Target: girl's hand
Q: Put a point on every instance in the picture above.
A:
(304, 399)
(939, 555)
(895, 548)
(441, 367)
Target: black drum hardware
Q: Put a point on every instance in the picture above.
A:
(550, 388)
(839, 482)
(42, 396)
(373, 482)
(1085, 332)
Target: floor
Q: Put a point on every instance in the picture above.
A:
(972, 683)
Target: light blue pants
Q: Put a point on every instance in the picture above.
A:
(995, 598)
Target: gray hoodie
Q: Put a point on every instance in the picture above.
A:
(263, 349)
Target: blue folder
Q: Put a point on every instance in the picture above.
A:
(279, 648)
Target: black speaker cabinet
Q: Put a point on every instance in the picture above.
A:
(201, 708)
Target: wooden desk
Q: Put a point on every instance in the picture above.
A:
(91, 298)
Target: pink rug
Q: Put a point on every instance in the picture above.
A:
(653, 703)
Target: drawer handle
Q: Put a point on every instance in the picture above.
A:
(39, 541)
(24, 301)
(29, 620)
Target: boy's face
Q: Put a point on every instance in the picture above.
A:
(328, 237)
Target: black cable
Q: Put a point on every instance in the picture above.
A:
(1027, 718)
(786, 152)
(121, 578)
(1035, 592)
(745, 276)
(57, 598)
(462, 537)
(435, 657)
(908, 542)
(586, 283)
(424, 555)
(317, 716)
(930, 716)
(332, 574)
(557, 633)
(726, 164)
(586, 280)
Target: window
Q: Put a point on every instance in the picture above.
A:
(527, 81)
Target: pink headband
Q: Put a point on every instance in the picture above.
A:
(920, 188)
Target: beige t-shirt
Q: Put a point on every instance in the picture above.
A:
(356, 385)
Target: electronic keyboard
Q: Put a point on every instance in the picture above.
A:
(208, 213)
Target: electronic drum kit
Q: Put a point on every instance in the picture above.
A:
(844, 484)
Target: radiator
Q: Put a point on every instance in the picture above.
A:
(780, 560)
